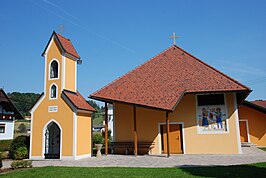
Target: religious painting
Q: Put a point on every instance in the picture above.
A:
(211, 114)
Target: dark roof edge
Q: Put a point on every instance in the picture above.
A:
(19, 114)
(254, 106)
(36, 101)
(132, 104)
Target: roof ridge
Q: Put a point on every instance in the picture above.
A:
(131, 70)
(216, 70)
(62, 36)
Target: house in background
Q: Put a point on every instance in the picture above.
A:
(252, 122)
(8, 115)
(110, 119)
(177, 104)
(61, 118)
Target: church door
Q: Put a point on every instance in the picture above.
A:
(52, 141)
(175, 138)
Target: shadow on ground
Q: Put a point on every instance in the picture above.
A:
(255, 170)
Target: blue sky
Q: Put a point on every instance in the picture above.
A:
(113, 37)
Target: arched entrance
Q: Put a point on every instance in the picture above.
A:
(52, 141)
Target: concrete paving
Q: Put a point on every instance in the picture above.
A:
(250, 155)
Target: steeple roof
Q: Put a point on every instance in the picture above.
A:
(65, 45)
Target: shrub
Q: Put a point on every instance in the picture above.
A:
(21, 141)
(5, 145)
(21, 153)
(4, 155)
(21, 164)
(109, 136)
(97, 138)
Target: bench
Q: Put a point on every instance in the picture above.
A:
(128, 147)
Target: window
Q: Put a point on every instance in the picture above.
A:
(53, 91)
(54, 69)
(2, 128)
(211, 113)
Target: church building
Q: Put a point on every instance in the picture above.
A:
(175, 103)
(61, 118)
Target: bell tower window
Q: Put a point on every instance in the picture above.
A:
(53, 92)
(54, 70)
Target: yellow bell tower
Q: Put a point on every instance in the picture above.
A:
(61, 118)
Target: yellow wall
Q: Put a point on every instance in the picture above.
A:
(148, 128)
(70, 75)
(64, 116)
(83, 134)
(256, 124)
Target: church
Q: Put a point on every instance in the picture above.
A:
(61, 118)
(174, 103)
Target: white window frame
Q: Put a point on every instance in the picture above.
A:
(49, 72)
(226, 112)
(4, 128)
(50, 89)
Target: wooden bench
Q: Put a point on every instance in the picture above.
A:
(128, 147)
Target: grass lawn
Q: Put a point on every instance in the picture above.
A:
(264, 148)
(252, 170)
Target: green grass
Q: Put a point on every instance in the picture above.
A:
(252, 170)
(264, 148)
(98, 119)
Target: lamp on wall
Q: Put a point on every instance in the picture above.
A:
(79, 61)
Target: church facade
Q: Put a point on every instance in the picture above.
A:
(61, 118)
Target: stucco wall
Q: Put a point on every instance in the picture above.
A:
(148, 127)
(9, 130)
(83, 134)
(256, 124)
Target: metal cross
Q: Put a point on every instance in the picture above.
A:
(174, 37)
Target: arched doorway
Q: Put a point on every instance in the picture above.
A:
(52, 141)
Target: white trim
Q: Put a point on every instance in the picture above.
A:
(63, 72)
(12, 135)
(37, 105)
(247, 127)
(160, 138)
(74, 134)
(31, 128)
(43, 137)
(82, 156)
(58, 72)
(36, 158)
(237, 126)
(76, 76)
(226, 112)
(50, 88)
(45, 73)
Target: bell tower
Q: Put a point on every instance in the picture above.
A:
(61, 118)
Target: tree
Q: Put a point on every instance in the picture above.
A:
(23, 101)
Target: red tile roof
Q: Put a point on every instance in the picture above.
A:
(66, 45)
(162, 81)
(261, 103)
(78, 100)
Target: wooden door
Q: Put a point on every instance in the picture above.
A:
(175, 138)
(243, 131)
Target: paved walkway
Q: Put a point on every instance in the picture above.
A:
(250, 155)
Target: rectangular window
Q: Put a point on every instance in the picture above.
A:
(212, 113)
(2, 128)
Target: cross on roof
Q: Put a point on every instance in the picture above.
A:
(61, 29)
(174, 37)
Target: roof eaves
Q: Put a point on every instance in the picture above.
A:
(254, 106)
(128, 103)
